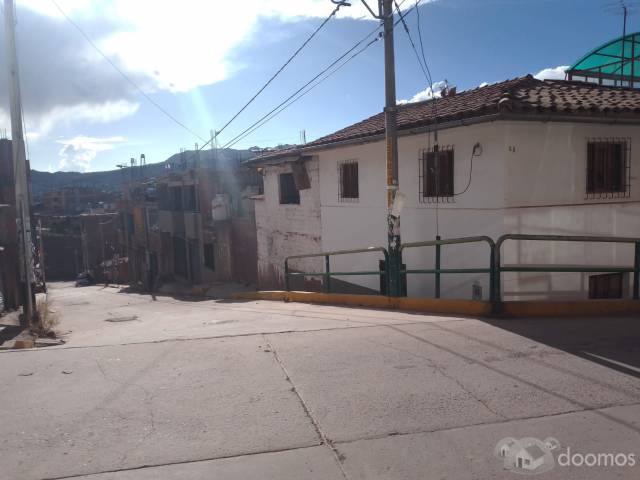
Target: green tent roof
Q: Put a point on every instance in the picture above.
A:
(617, 59)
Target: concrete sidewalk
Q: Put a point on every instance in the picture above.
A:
(267, 390)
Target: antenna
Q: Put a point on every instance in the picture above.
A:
(624, 8)
(303, 137)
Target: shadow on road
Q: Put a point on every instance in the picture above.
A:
(613, 342)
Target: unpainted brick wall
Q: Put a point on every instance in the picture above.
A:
(284, 230)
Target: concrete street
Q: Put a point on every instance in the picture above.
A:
(223, 389)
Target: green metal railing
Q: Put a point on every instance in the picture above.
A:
(438, 271)
(327, 274)
(495, 268)
(499, 268)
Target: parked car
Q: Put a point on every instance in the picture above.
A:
(84, 279)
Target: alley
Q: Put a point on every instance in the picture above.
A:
(180, 388)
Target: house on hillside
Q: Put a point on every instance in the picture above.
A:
(519, 156)
(192, 226)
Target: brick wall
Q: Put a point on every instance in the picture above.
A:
(284, 230)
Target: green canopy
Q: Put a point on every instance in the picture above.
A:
(617, 61)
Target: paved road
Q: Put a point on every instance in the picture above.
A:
(175, 389)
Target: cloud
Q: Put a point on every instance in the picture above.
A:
(181, 47)
(77, 153)
(160, 45)
(427, 93)
(62, 80)
(556, 73)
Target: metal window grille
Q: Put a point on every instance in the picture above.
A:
(348, 188)
(289, 194)
(436, 167)
(608, 168)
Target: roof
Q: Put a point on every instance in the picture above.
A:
(617, 59)
(534, 451)
(519, 96)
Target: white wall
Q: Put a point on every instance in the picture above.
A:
(354, 225)
(530, 179)
(548, 172)
(284, 230)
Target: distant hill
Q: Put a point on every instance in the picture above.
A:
(113, 180)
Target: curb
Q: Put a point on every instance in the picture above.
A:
(517, 309)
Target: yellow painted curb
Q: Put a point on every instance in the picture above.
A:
(454, 307)
(427, 305)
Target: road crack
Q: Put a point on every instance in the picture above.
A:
(337, 455)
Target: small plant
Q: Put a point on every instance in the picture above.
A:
(47, 319)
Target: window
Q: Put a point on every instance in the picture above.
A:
(289, 194)
(609, 285)
(210, 256)
(607, 168)
(348, 186)
(164, 201)
(176, 198)
(436, 174)
(191, 203)
(180, 257)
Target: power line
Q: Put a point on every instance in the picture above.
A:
(338, 4)
(322, 72)
(413, 45)
(124, 75)
(295, 54)
(424, 58)
(290, 100)
(295, 97)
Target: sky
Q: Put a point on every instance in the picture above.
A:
(202, 60)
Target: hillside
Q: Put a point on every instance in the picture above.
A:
(113, 180)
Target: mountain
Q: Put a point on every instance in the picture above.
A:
(113, 180)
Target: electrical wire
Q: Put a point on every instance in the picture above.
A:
(124, 75)
(296, 96)
(473, 154)
(273, 77)
(284, 105)
(413, 46)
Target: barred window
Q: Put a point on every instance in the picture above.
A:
(289, 193)
(348, 186)
(607, 168)
(436, 174)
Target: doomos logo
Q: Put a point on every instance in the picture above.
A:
(527, 455)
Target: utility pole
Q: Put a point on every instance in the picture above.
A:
(19, 163)
(385, 14)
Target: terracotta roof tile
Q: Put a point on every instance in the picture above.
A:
(521, 95)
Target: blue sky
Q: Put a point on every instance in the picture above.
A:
(201, 64)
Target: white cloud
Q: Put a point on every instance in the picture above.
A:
(556, 73)
(77, 153)
(84, 113)
(181, 47)
(427, 93)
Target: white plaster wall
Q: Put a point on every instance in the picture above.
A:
(354, 225)
(547, 171)
(284, 230)
(530, 178)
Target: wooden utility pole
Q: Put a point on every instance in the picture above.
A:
(19, 163)
(385, 14)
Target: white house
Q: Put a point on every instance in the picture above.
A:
(520, 156)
